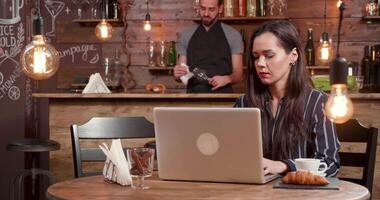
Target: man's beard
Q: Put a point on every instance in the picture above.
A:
(208, 23)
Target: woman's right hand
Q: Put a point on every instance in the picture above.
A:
(179, 71)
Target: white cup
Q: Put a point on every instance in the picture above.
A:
(310, 164)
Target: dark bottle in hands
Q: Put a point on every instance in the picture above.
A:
(309, 49)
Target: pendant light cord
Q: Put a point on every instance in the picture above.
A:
(325, 16)
(341, 9)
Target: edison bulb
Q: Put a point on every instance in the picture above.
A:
(339, 3)
(39, 60)
(339, 107)
(147, 26)
(103, 30)
(325, 51)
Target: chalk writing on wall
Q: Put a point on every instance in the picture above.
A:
(12, 39)
(82, 50)
(54, 8)
(8, 87)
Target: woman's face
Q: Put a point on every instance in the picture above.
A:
(271, 61)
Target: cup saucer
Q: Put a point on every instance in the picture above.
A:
(323, 174)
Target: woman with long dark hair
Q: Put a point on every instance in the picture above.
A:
(293, 121)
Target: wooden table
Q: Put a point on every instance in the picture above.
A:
(96, 188)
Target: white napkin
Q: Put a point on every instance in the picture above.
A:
(96, 85)
(185, 78)
(116, 168)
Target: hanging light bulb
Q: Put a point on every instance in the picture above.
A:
(147, 26)
(325, 44)
(325, 48)
(103, 30)
(39, 59)
(339, 3)
(339, 107)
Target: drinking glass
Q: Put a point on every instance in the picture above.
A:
(54, 8)
(79, 4)
(94, 8)
(140, 160)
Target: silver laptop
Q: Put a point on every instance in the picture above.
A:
(209, 144)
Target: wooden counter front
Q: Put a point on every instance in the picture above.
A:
(66, 109)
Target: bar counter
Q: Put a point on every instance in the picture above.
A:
(73, 108)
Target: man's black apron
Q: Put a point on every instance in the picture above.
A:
(210, 51)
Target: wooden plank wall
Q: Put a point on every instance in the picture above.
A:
(171, 17)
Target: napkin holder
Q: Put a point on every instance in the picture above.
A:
(96, 85)
(116, 168)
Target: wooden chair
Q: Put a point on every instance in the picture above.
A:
(353, 131)
(105, 128)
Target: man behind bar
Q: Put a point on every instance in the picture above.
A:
(213, 47)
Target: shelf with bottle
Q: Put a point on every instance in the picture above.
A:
(371, 19)
(247, 19)
(94, 22)
(160, 68)
(318, 67)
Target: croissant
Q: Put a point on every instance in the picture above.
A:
(304, 178)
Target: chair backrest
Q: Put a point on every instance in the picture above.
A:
(353, 131)
(105, 128)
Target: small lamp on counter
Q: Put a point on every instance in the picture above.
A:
(39, 59)
(103, 30)
(147, 25)
(325, 51)
(339, 107)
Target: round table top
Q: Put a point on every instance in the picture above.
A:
(96, 188)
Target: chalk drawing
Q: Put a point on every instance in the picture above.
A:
(11, 42)
(7, 86)
(81, 49)
(1, 78)
(10, 12)
(54, 8)
(14, 93)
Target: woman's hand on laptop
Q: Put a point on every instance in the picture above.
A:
(274, 167)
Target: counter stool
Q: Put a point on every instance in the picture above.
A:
(33, 146)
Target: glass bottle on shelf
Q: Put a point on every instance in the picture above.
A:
(376, 66)
(116, 69)
(371, 8)
(366, 66)
(281, 5)
(196, 8)
(228, 8)
(162, 60)
(240, 8)
(172, 55)
(270, 7)
(106, 66)
(260, 8)
(251, 8)
(150, 52)
(309, 49)
(115, 7)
